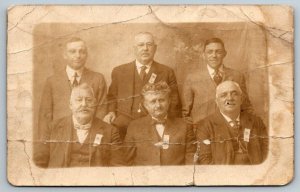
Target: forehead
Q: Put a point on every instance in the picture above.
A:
(82, 93)
(155, 95)
(76, 45)
(214, 46)
(144, 38)
(228, 87)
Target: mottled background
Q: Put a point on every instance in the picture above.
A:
(179, 46)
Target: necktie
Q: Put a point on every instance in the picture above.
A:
(217, 77)
(75, 82)
(143, 73)
(82, 127)
(235, 127)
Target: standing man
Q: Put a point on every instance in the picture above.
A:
(199, 88)
(56, 94)
(158, 139)
(80, 139)
(231, 136)
(127, 81)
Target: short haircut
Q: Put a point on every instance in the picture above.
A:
(83, 86)
(213, 40)
(73, 39)
(159, 87)
(229, 82)
(146, 33)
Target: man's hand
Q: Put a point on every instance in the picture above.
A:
(110, 117)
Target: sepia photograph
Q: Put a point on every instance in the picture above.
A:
(133, 95)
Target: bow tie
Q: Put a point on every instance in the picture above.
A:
(82, 127)
(155, 122)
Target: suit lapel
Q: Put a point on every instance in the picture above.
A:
(64, 84)
(67, 139)
(128, 78)
(170, 128)
(154, 70)
(221, 126)
(151, 133)
(85, 76)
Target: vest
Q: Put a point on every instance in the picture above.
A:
(137, 110)
(80, 153)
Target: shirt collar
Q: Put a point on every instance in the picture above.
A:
(211, 70)
(228, 119)
(154, 120)
(139, 65)
(71, 72)
(79, 126)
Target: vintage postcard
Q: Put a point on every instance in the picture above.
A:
(150, 95)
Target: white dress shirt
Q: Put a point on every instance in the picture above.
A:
(212, 71)
(82, 131)
(160, 128)
(230, 121)
(71, 74)
(139, 66)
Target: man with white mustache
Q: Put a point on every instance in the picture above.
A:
(199, 87)
(57, 90)
(124, 99)
(158, 139)
(80, 140)
(230, 136)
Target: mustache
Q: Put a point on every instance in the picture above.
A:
(230, 102)
(89, 108)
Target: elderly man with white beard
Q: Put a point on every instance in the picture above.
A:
(80, 140)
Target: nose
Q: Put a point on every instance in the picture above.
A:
(214, 54)
(77, 54)
(145, 47)
(229, 96)
(157, 104)
(83, 102)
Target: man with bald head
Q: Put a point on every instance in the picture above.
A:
(57, 90)
(80, 139)
(128, 79)
(231, 136)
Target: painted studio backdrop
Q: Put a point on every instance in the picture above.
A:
(179, 46)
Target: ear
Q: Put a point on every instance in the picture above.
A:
(70, 105)
(155, 47)
(64, 54)
(225, 53)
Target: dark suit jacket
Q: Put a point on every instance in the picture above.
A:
(215, 128)
(56, 151)
(56, 97)
(121, 91)
(142, 136)
(199, 93)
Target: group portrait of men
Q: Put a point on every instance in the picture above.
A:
(142, 119)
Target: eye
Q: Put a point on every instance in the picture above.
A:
(223, 95)
(219, 52)
(78, 99)
(235, 93)
(150, 44)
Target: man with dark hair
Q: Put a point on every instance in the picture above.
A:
(158, 139)
(80, 139)
(199, 87)
(230, 136)
(128, 79)
(57, 90)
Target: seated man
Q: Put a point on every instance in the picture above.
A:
(158, 139)
(80, 140)
(230, 136)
